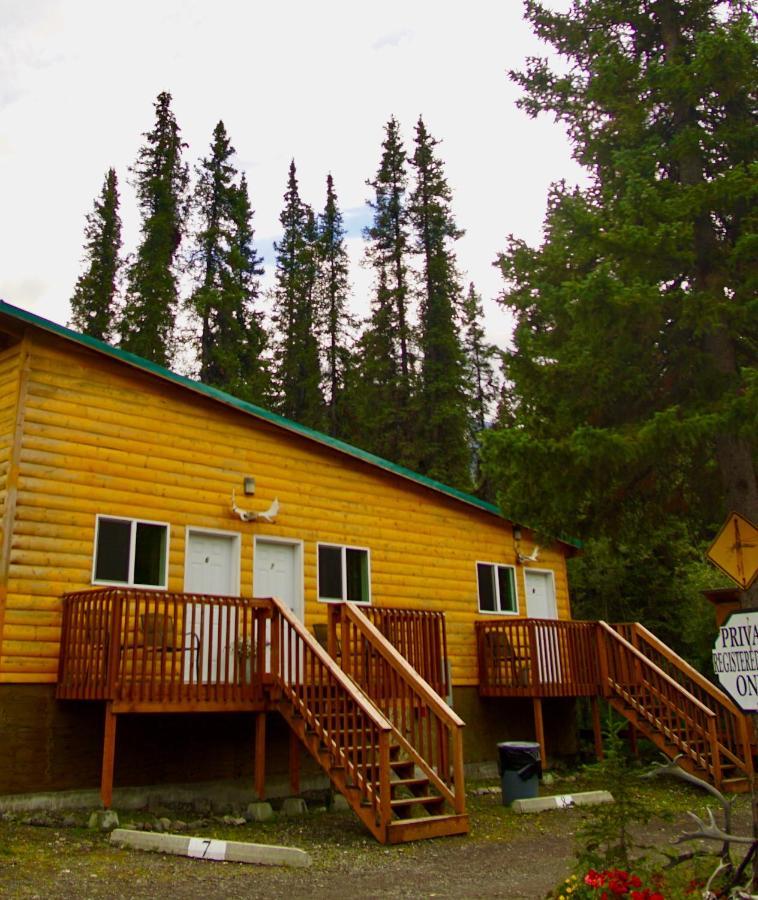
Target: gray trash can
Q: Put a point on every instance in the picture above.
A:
(520, 769)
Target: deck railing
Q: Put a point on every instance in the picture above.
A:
(156, 647)
(732, 726)
(419, 636)
(427, 729)
(671, 711)
(633, 670)
(537, 658)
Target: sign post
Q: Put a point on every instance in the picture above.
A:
(735, 654)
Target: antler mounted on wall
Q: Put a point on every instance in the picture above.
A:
(268, 515)
(533, 556)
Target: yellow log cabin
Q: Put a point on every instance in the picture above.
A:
(166, 549)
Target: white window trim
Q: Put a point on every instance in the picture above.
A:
(132, 546)
(497, 612)
(343, 548)
(237, 539)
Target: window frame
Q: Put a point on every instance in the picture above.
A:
(132, 552)
(343, 548)
(496, 583)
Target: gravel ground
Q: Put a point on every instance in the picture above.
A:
(505, 855)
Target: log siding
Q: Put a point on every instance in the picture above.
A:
(101, 436)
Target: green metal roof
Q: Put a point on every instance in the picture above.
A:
(222, 397)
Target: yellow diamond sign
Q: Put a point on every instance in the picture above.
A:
(735, 550)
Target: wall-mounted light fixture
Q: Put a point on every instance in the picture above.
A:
(516, 532)
(249, 483)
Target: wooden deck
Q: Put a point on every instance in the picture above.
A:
(660, 694)
(388, 742)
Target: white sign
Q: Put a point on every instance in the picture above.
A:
(735, 658)
(205, 848)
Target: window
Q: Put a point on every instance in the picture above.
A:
(497, 588)
(343, 573)
(130, 552)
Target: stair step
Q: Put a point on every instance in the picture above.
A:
(418, 829)
(402, 804)
(374, 748)
(409, 783)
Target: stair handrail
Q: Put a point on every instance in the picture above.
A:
(365, 781)
(638, 654)
(708, 734)
(708, 686)
(357, 695)
(723, 700)
(436, 705)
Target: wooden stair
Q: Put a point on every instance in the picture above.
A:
(418, 811)
(399, 761)
(675, 707)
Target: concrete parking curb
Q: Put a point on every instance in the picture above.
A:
(207, 848)
(561, 801)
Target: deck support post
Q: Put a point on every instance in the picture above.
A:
(539, 728)
(633, 748)
(109, 755)
(260, 755)
(294, 764)
(596, 729)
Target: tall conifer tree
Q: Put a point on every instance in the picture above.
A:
(297, 370)
(634, 373)
(337, 323)
(242, 284)
(231, 337)
(443, 430)
(388, 253)
(160, 179)
(375, 386)
(481, 375)
(93, 301)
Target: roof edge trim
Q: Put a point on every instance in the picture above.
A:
(259, 412)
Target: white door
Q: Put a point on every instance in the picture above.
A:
(212, 567)
(540, 604)
(540, 595)
(277, 573)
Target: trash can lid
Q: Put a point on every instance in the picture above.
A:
(519, 745)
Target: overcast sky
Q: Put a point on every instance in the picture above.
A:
(313, 81)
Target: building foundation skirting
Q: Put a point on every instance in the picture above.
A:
(53, 745)
(490, 720)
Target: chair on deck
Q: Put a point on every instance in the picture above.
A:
(509, 666)
(95, 646)
(158, 635)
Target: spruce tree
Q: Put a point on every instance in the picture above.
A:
(379, 426)
(160, 179)
(633, 380)
(297, 372)
(388, 253)
(442, 431)
(242, 284)
(481, 376)
(231, 336)
(93, 301)
(337, 323)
